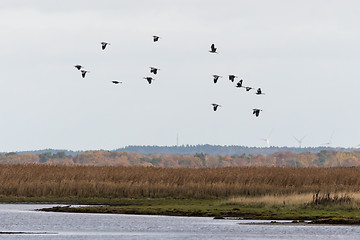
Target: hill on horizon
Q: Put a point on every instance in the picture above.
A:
(212, 150)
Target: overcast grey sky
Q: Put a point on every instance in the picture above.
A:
(303, 54)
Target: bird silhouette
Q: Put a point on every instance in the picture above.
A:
(248, 88)
(259, 92)
(149, 79)
(239, 84)
(154, 70)
(83, 73)
(213, 48)
(104, 44)
(156, 38)
(78, 67)
(116, 82)
(216, 78)
(215, 106)
(256, 111)
(232, 78)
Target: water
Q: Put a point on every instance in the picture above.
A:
(25, 223)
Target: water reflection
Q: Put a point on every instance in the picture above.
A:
(22, 218)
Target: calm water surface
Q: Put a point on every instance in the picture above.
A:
(23, 222)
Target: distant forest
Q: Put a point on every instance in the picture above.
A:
(212, 150)
(324, 158)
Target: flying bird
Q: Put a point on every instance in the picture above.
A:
(259, 92)
(248, 88)
(156, 38)
(239, 84)
(216, 78)
(256, 111)
(104, 44)
(215, 106)
(78, 67)
(116, 82)
(213, 48)
(232, 78)
(154, 70)
(83, 73)
(149, 79)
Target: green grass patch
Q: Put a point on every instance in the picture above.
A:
(217, 208)
(328, 214)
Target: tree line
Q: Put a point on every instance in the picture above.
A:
(212, 150)
(324, 158)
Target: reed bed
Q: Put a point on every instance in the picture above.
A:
(305, 199)
(35, 180)
(272, 200)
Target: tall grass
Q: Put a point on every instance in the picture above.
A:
(288, 199)
(351, 199)
(149, 182)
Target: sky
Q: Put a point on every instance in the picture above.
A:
(303, 54)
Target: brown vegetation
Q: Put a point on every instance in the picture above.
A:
(351, 199)
(325, 158)
(35, 180)
(330, 198)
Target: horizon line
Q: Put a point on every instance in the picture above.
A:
(181, 146)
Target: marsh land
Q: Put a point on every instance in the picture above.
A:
(326, 195)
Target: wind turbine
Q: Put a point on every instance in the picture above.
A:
(267, 139)
(300, 140)
(327, 144)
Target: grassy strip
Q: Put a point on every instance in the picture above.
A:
(336, 214)
(337, 220)
(333, 214)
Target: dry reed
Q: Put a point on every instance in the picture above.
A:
(34, 180)
(291, 199)
(351, 199)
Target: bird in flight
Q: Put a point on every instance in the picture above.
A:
(259, 92)
(154, 70)
(83, 73)
(156, 38)
(149, 79)
(78, 67)
(115, 82)
(232, 78)
(239, 84)
(216, 78)
(215, 106)
(104, 44)
(248, 88)
(256, 111)
(213, 48)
